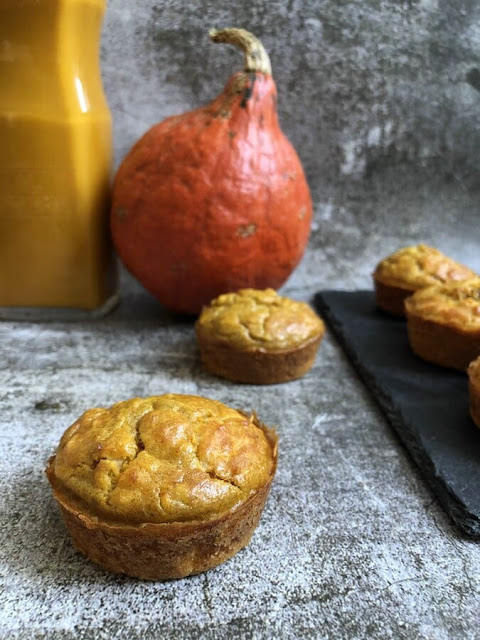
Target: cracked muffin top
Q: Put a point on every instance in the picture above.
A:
(420, 266)
(454, 304)
(252, 319)
(169, 458)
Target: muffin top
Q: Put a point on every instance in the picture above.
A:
(456, 304)
(420, 266)
(170, 458)
(252, 319)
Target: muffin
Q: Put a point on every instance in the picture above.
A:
(163, 487)
(474, 390)
(258, 337)
(410, 269)
(443, 323)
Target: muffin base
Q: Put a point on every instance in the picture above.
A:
(390, 298)
(162, 551)
(474, 405)
(442, 345)
(256, 366)
(474, 393)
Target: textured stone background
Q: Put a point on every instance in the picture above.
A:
(381, 99)
(361, 84)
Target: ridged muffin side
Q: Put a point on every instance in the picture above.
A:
(258, 337)
(412, 268)
(474, 390)
(443, 323)
(163, 487)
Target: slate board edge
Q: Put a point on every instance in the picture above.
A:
(469, 523)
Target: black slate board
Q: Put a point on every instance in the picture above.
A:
(427, 405)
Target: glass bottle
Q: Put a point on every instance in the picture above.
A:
(56, 259)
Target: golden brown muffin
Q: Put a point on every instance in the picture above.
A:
(163, 487)
(443, 323)
(410, 269)
(474, 390)
(258, 337)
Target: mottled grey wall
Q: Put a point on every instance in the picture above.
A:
(380, 98)
(359, 81)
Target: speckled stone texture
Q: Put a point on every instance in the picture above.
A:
(382, 101)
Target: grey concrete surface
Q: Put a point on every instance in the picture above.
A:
(382, 102)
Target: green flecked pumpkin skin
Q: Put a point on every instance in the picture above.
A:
(213, 200)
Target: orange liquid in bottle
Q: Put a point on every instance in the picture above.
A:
(55, 161)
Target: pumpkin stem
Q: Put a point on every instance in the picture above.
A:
(256, 58)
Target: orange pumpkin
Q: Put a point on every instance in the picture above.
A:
(216, 199)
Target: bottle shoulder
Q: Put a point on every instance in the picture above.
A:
(49, 57)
